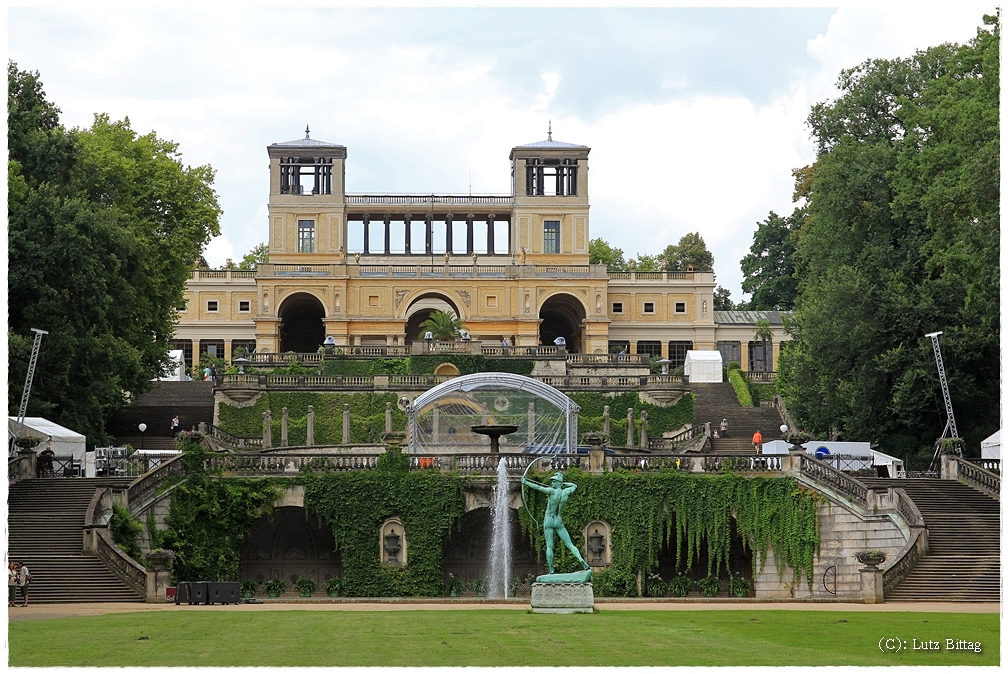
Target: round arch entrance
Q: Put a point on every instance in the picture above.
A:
(561, 316)
(420, 310)
(301, 323)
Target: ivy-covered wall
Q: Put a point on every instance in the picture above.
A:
(356, 504)
(647, 509)
(367, 415)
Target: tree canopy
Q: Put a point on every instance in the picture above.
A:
(442, 325)
(901, 239)
(768, 268)
(600, 252)
(104, 228)
(258, 254)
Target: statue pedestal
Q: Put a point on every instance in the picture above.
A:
(563, 598)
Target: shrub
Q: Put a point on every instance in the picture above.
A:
(709, 586)
(334, 587)
(733, 365)
(740, 587)
(680, 586)
(275, 586)
(305, 586)
(125, 528)
(738, 383)
(248, 588)
(654, 586)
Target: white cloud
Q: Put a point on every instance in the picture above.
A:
(218, 251)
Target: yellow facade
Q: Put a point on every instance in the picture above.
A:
(366, 269)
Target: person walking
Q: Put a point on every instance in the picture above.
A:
(213, 373)
(11, 583)
(757, 441)
(24, 580)
(175, 426)
(724, 428)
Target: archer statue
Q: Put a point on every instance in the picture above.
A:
(558, 492)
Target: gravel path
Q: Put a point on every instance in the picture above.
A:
(48, 611)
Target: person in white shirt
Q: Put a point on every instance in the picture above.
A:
(11, 583)
(24, 579)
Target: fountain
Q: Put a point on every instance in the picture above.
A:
(500, 548)
(494, 431)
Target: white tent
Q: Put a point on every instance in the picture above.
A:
(991, 447)
(62, 440)
(703, 367)
(177, 372)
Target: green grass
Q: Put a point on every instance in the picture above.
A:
(192, 636)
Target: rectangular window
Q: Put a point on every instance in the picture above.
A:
(677, 353)
(649, 307)
(730, 351)
(652, 349)
(680, 307)
(306, 236)
(761, 356)
(212, 347)
(617, 307)
(185, 346)
(211, 305)
(244, 305)
(551, 236)
(615, 346)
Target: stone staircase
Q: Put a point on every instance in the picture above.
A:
(192, 401)
(45, 523)
(715, 402)
(964, 541)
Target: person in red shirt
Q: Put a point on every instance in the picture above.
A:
(757, 441)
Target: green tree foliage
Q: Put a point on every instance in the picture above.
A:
(901, 239)
(768, 268)
(690, 251)
(258, 255)
(600, 252)
(443, 325)
(104, 226)
(722, 299)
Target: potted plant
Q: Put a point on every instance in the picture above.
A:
(680, 586)
(871, 558)
(454, 586)
(709, 586)
(275, 587)
(479, 586)
(247, 589)
(334, 587)
(305, 586)
(739, 586)
(655, 586)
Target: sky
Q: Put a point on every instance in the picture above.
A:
(695, 116)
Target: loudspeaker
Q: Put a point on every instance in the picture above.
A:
(230, 593)
(184, 593)
(198, 594)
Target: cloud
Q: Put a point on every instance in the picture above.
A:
(218, 251)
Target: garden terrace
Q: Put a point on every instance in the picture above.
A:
(438, 347)
(415, 382)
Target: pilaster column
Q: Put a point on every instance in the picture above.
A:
(388, 235)
(448, 234)
(469, 234)
(407, 219)
(490, 234)
(346, 423)
(367, 234)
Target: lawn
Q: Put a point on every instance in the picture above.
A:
(193, 637)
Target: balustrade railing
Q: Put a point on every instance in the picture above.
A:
(121, 564)
(19, 468)
(420, 199)
(267, 464)
(417, 381)
(218, 433)
(905, 562)
(145, 487)
(301, 269)
(609, 359)
(663, 380)
(563, 270)
(836, 480)
(991, 465)
(678, 439)
(981, 479)
(762, 377)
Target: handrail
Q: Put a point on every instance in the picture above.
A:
(218, 433)
(978, 478)
(144, 488)
(905, 562)
(828, 476)
(122, 565)
(19, 468)
(679, 438)
(782, 409)
(907, 509)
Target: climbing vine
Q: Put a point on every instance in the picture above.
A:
(660, 419)
(355, 504)
(647, 509)
(211, 516)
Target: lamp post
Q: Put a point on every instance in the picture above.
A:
(783, 430)
(142, 427)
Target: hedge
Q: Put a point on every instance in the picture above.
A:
(738, 382)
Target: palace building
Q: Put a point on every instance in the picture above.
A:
(367, 269)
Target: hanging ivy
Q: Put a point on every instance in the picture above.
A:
(356, 503)
(647, 509)
(211, 516)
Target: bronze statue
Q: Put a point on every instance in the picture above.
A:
(558, 492)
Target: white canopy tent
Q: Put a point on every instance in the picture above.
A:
(63, 441)
(703, 367)
(991, 447)
(177, 372)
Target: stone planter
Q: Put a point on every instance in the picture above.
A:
(273, 594)
(304, 594)
(871, 560)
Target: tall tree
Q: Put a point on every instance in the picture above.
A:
(901, 239)
(690, 251)
(768, 268)
(600, 252)
(104, 226)
(258, 255)
(722, 299)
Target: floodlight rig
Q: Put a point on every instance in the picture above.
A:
(950, 424)
(28, 381)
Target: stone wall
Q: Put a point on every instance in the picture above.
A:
(843, 533)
